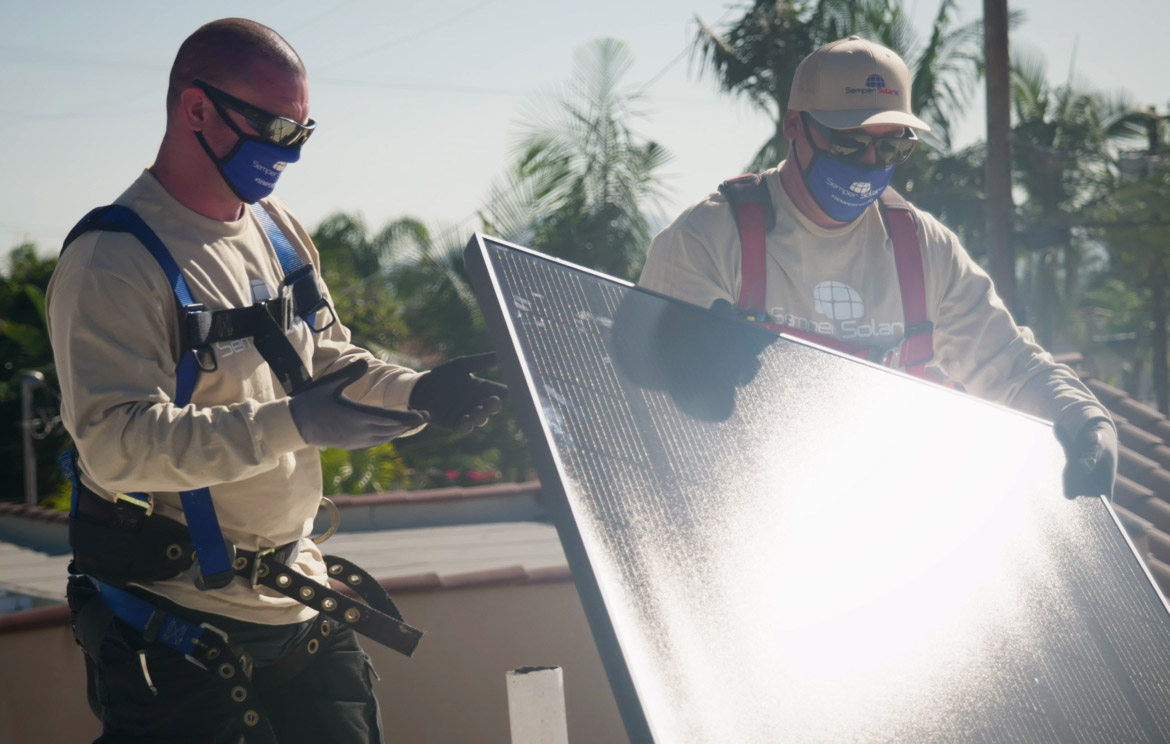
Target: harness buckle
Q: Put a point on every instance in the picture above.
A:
(917, 329)
(216, 580)
(203, 353)
(334, 520)
(256, 565)
(143, 502)
(322, 305)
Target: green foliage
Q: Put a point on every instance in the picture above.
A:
(406, 297)
(1135, 228)
(24, 348)
(1063, 151)
(375, 470)
(583, 180)
(351, 265)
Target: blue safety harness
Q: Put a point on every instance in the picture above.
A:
(124, 542)
(201, 328)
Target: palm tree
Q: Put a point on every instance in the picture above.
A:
(583, 178)
(1064, 150)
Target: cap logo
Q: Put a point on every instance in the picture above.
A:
(873, 84)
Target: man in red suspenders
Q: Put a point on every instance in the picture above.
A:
(201, 368)
(820, 248)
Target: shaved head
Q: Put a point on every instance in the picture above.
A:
(226, 50)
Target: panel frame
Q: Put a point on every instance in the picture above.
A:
(552, 474)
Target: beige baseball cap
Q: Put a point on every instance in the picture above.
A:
(854, 83)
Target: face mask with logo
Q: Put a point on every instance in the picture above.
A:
(253, 165)
(843, 190)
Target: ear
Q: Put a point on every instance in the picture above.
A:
(194, 109)
(792, 125)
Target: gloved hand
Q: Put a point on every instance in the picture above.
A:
(326, 418)
(456, 399)
(1090, 460)
(742, 364)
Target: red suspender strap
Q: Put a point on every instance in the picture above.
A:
(753, 282)
(918, 347)
(751, 203)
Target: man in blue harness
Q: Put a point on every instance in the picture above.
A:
(201, 369)
(819, 248)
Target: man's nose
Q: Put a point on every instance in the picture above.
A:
(869, 157)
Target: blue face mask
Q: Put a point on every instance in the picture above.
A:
(843, 190)
(253, 165)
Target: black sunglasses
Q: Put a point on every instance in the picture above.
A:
(851, 145)
(278, 129)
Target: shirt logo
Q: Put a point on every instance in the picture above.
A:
(838, 301)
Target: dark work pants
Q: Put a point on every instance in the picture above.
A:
(323, 697)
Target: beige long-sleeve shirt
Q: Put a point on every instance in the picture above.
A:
(843, 283)
(114, 327)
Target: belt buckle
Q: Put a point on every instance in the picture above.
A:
(256, 565)
(146, 505)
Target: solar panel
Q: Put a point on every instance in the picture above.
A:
(774, 542)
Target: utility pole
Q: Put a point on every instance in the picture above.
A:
(1001, 252)
(1161, 297)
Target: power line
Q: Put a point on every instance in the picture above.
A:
(411, 36)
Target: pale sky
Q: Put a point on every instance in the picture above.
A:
(417, 102)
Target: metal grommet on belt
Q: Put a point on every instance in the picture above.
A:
(226, 671)
(336, 568)
(326, 628)
(239, 694)
(329, 604)
(239, 563)
(354, 579)
(251, 717)
(307, 593)
(314, 644)
(352, 615)
(283, 580)
(174, 551)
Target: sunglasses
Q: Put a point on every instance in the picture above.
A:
(851, 145)
(279, 130)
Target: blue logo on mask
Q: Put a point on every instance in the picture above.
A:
(844, 190)
(253, 166)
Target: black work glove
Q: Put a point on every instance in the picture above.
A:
(1090, 460)
(325, 418)
(742, 362)
(456, 399)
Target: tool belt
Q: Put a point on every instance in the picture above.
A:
(122, 543)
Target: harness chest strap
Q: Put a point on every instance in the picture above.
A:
(751, 204)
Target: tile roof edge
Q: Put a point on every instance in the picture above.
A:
(29, 511)
(453, 493)
(35, 619)
(426, 495)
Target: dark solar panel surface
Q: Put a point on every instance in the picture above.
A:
(826, 552)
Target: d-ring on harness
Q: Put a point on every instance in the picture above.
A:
(116, 544)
